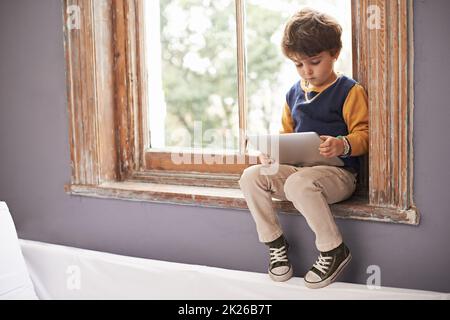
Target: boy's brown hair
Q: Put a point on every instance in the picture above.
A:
(310, 32)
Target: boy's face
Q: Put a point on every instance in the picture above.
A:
(317, 70)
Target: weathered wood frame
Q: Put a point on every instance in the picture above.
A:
(107, 112)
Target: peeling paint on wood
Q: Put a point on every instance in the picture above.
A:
(383, 65)
(356, 208)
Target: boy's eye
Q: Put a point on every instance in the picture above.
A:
(314, 63)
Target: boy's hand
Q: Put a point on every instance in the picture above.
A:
(331, 146)
(264, 159)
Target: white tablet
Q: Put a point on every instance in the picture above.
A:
(292, 148)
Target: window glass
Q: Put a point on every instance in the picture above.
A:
(192, 68)
(192, 73)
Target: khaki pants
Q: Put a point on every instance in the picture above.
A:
(310, 189)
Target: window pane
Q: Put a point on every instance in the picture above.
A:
(270, 74)
(192, 77)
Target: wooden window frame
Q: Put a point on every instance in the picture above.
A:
(107, 111)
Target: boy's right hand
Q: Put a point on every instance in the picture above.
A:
(265, 159)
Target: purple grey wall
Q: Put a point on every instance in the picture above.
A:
(34, 166)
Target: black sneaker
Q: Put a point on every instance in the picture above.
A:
(280, 269)
(328, 267)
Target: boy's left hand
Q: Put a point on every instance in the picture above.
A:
(331, 146)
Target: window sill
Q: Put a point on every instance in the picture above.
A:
(231, 198)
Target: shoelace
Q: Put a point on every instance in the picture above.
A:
(278, 255)
(322, 264)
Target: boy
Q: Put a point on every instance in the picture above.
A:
(335, 107)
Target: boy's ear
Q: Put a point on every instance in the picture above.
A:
(335, 54)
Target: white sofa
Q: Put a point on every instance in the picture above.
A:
(15, 282)
(61, 272)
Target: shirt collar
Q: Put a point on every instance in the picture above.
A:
(307, 87)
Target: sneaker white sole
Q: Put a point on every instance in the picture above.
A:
(330, 279)
(282, 277)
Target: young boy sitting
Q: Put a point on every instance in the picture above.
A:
(335, 107)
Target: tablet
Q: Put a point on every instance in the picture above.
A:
(300, 148)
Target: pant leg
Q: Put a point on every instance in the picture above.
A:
(259, 186)
(311, 190)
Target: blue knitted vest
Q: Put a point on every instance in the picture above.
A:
(322, 114)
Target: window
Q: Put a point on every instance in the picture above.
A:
(108, 93)
(194, 45)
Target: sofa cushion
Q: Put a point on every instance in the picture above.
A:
(15, 282)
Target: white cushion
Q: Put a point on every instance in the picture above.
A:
(15, 282)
